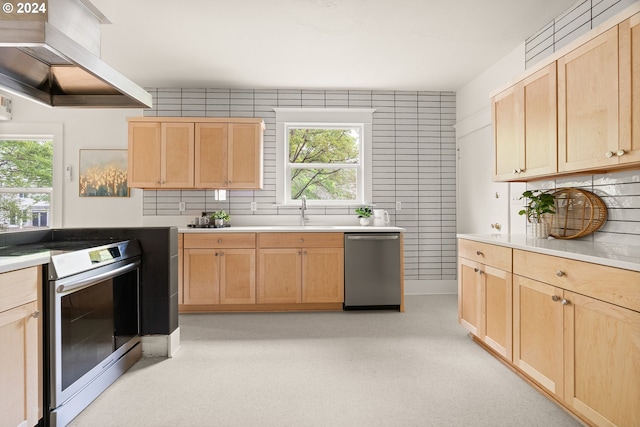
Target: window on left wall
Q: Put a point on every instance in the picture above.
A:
(26, 183)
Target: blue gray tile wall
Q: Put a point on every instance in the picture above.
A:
(578, 20)
(413, 162)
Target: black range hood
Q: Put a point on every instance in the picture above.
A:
(53, 57)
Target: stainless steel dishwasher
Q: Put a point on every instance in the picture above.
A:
(372, 271)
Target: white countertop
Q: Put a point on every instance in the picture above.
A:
(613, 255)
(10, 263)
(294, 228)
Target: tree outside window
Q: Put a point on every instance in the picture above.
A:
(324, 162)
(26, 183)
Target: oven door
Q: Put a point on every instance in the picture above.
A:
(94, 322)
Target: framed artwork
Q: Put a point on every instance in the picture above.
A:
(103, 173)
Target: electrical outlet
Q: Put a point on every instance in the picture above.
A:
(182, 206)
(398, 205)
(254, 206)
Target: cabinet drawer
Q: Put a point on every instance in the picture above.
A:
(614, 285)
(301, 240)
(18, 287)
(493, 255)
(220, 240)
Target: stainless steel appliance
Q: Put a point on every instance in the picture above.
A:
(372, 271)
(93, 322)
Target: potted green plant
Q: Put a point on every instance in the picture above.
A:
(364, 213)
(538, 207)
(220, 217)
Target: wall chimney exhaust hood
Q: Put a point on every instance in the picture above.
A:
(50, 54)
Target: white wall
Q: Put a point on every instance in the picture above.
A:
(82, 129)
(482, 202)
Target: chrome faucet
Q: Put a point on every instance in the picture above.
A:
(303, 207)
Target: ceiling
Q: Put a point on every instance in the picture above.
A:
(316, 44)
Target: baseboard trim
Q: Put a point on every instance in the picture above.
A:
(430, 287)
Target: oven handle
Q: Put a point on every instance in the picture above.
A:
(83, 283)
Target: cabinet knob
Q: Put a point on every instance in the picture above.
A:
(608, 154)
(299, 252)
(556, 298)
(497, 226)
(559, 273)
(476, 269)
(35, 314)
(564, 301)
(479, 253)
(515, 171)
(221, 253)
(219, 240)
(157, 182)
(216, 253)
(301, 240)
(620, 153)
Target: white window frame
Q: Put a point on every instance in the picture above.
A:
(325, 118)
(36, 131)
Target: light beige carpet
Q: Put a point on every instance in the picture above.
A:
(417, 368)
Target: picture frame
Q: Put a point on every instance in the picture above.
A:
(103, 173)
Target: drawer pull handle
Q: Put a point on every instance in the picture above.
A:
(35, 314)
(479, 253)
(556, 298)
(559, 273)
(564, 301)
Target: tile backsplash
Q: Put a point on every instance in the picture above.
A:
(578, 20)
(413, 159)
(620, 191)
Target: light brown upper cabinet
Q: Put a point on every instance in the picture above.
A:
(524, 118)
(161, 155)
(599, 101)
(184, 152)
(629, 58)
(229, 155)
(580, 113)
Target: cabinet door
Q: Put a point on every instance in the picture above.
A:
(540, 155)
(602, 370)
(211, 155)
(201, 276)
(496, 315)
(245, 155)
(588, 104)
(630, 90)
(177, 155)
(145, 156)
(237, 276)
(19, 366)
(322, 275)
(508, 133)
(279, 276)
(538, 332)
(469, 294)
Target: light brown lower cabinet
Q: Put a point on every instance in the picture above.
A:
(262, 272)
(300, 268)
(484, 294)
(576, 331)
(219, 269)
(20, 352)
(219, 276)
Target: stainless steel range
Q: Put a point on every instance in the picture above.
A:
(93, 322)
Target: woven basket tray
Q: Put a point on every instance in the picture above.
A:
(578, 213)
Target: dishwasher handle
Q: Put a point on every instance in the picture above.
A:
(350, 237)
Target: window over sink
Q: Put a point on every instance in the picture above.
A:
(324, 155)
